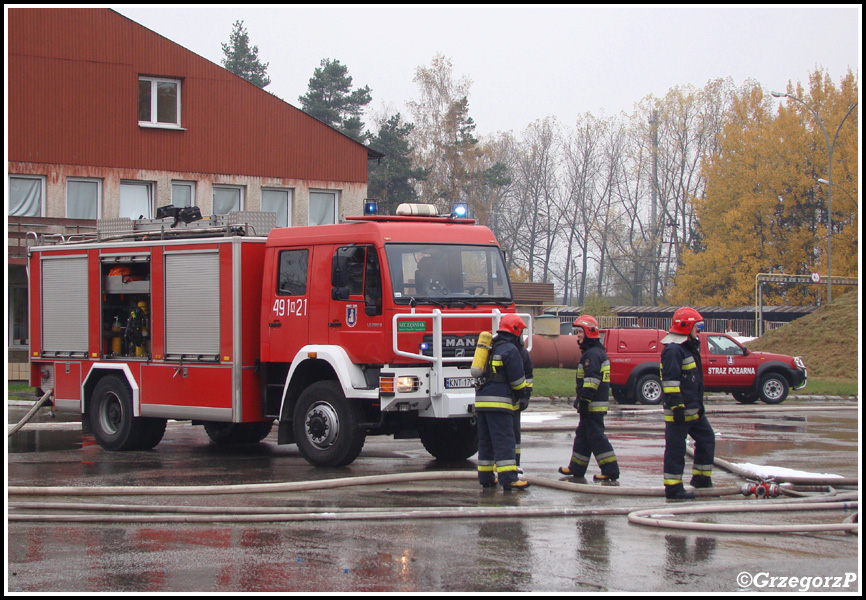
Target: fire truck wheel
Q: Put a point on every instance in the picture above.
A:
(326, 425)
(649, 389)
(774, 388)
(450, 439)
(111, 418)
(154, 429)
(226, 434)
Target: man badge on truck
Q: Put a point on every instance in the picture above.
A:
(351, 314)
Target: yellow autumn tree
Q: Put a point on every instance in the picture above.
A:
(764, 210)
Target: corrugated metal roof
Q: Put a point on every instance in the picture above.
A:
(73, 81)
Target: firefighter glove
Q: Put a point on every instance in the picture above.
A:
(679, 414)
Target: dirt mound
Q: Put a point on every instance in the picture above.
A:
(827, 340)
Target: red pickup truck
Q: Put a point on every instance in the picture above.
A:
(728, 367)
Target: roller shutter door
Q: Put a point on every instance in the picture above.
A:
(192, 304)
(64, 305)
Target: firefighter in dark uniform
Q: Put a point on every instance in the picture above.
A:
(592, 389)
(522, 399)
(495, 407)
(683, 386)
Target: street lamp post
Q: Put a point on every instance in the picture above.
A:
(830, 148)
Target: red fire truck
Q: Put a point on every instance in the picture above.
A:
(335, 332)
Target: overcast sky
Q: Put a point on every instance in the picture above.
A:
(527, 63)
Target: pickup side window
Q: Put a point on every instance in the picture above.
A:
(724, 346)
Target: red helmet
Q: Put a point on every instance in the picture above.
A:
(684, 319)
(511, 323)
(589, 326)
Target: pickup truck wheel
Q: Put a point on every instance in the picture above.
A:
(450, 439)
(327, 426)
(111, 418)
(774, 388)
(649, 390)
(745, 397)
(620, 395)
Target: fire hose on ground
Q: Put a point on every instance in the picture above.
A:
(205, 514)
(32, 412)
(638, 515)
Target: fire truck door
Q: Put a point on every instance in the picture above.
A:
(288, 321)
(356, 322)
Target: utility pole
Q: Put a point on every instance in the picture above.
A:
(654, 263)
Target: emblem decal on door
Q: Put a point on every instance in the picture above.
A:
(351, 314)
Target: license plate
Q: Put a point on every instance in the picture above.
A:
(459, 382)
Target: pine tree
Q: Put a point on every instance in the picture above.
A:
(330, 99)
(242, 60)
(392, 180)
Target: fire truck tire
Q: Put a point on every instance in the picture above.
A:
(154, 429)
(226, 434)
(111, 417)
(649, 390)
(327, 425)
(774, 388)
(450, 439)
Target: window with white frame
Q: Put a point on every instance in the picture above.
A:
(136, 199)
(323, 208)
(183, 193)
(227, 198)
(26, 195)
(83, 198)
(158, 102)
(280, 202)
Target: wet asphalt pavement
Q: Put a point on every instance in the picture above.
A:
(413, 537)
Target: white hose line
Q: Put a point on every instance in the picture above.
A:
(652, 517)
(781, 478)
(32, 412)
(253, 488)
(228, 515)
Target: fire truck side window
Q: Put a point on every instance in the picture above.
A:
(292, 276)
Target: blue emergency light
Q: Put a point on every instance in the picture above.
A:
(371, 207)
(459, 211)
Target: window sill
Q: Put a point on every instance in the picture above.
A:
(160, 126)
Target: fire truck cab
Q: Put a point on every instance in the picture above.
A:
(334, 332)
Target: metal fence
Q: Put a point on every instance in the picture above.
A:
(742, 327)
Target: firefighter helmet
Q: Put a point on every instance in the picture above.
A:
(684, 319)
(589, 326)
(511, 323)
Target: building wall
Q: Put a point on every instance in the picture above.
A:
(351, 195)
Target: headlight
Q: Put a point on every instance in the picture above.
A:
(408, 383)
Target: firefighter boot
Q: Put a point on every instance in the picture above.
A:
(606, 479)
(701, 481)
(678, 492)
(520, 484)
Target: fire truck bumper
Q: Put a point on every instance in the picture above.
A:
(406, 393)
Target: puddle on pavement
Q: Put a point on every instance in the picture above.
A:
(45, 440)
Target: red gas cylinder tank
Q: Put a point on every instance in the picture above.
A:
(557, 352)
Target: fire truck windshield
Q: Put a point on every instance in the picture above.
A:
(445, 273)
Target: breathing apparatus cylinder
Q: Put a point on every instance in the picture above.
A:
(115, 337)
(142, 324)
(482, 350)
